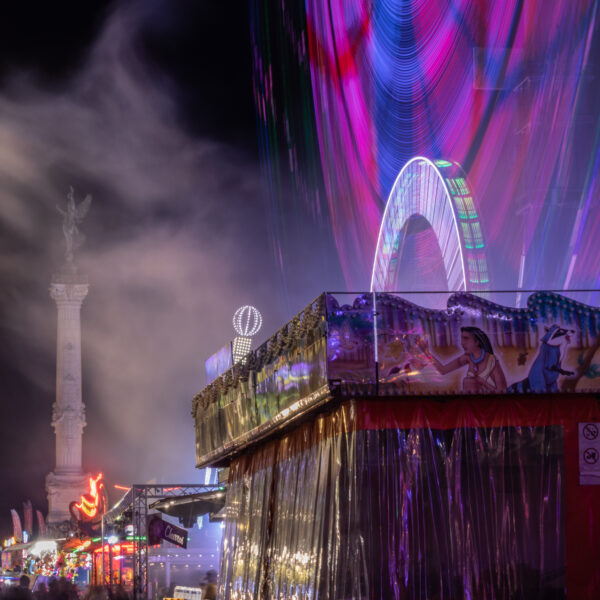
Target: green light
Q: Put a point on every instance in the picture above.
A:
(460, 207)
(442, 163)
(466, 233)
(461, 184)
(477, 237)
(470, 207)
(452, 186)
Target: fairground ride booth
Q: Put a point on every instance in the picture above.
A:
(14, 558)
(148, 555)
(378, 449)
(43, 559)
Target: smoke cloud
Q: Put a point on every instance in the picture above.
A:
(176, 241)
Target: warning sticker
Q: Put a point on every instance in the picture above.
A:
(589, 453)
(590, 456)
(590, 431)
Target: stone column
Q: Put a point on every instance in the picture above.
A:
(68, 481)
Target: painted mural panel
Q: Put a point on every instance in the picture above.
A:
(473, 346)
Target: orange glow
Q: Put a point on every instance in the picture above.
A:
(91, 503)
(121, 487)
(123, 548)
(83, 546)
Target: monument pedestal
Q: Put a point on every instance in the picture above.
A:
(62, 489)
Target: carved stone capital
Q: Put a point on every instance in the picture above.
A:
(66, 293)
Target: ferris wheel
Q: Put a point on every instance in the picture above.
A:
(430, 235)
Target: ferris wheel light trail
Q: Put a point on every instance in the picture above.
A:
(437, 192)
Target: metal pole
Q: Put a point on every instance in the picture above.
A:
(110, 568)
(145, 530)
(136, 545)
(102, 542)
(376, 343)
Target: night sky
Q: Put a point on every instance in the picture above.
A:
(148, 107)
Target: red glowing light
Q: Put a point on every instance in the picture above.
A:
(92, 503)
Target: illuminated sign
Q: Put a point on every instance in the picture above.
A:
(42, 547)
(162, 530)
(91, 504)
(241, 348)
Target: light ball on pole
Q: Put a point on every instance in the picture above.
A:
(247, 321)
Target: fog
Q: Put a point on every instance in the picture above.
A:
(177, 238)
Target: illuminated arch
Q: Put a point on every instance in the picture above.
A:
(436, 190)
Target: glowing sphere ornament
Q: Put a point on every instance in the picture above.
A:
(247, 321)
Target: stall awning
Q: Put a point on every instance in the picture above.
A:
(188, 508)
(16, 547)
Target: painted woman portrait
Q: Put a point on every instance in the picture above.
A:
(484, 372)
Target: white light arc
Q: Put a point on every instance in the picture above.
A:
(438, 191)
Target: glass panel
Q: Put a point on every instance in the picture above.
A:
(350, 343)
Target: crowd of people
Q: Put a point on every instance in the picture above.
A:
(60, 589)
(63, 589)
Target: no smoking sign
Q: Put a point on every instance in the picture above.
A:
(589, 453)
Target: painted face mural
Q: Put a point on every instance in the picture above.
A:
(468, 343)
